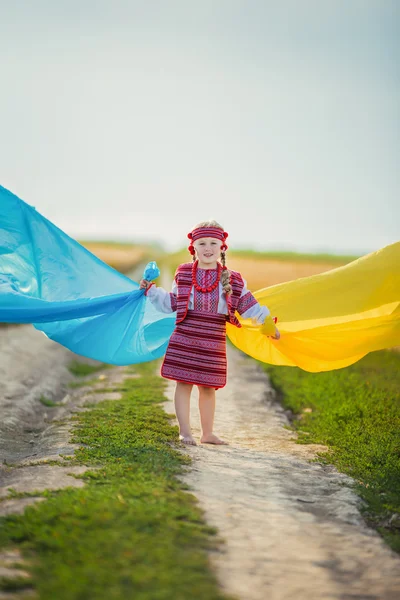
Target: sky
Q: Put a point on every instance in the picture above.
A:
(134, 121)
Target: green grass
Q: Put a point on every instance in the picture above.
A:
(80, 369)
(14, 584)
(48, 402)
(356, 413)
(294, 256)
(133, 531)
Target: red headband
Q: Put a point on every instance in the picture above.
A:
(214, 232)
(200, 232)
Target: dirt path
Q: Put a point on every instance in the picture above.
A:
(292, 528)
(31, 366)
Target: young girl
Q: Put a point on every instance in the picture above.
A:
(205, 295)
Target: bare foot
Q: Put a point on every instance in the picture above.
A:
(187, 439)
(211, 439)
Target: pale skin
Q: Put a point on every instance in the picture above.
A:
(208, 251)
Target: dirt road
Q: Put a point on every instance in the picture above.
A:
(31, 366)
(292, 528)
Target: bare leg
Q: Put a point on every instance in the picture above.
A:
(207, 411)
(182, 410)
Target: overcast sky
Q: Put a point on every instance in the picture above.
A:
(134, 120)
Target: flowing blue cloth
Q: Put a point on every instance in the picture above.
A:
(50, 280)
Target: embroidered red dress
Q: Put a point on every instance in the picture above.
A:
(196, 352)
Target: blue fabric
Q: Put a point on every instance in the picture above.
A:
(50, 280)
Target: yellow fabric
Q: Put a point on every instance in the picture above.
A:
(329, 320)
(269, 327)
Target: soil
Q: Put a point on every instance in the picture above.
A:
(292, 527)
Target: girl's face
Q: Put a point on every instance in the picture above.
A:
(208, 249)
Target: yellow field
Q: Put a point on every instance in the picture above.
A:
(261, 273)
(121, 257)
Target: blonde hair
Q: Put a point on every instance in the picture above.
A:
(225, 275)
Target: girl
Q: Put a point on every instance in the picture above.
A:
(205, 295)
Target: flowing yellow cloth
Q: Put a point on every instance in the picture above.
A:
(329, 320)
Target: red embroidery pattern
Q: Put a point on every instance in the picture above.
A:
(174, 303)
(246, 302)
(196, 352)
(183, 277)
(205, 288)
(207, 301)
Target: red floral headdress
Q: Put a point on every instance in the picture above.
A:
(201, 232)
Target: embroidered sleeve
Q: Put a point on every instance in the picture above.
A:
(249, 308)
(245, 302)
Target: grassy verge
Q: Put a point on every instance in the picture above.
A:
(295, 256)
(356, 412)
(133, 531)
(81, 369)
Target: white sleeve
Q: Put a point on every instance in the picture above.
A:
(256, 312)
(160, 298)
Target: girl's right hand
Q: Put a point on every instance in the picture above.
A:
(277, 334)
(144, 284)
(269, 329)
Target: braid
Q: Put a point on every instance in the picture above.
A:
(225, 277)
